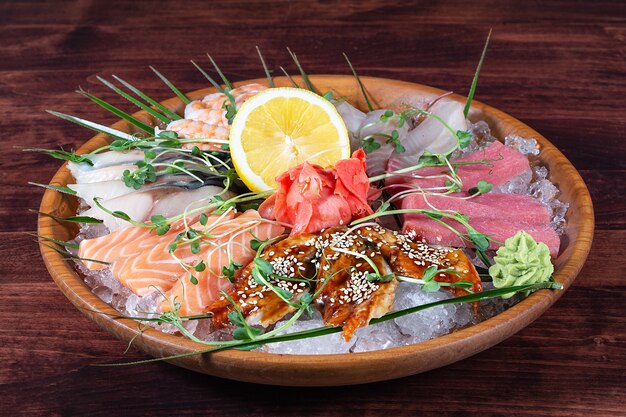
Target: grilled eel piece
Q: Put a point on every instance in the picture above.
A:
(410, 258)
(346, 297)
(294, 258)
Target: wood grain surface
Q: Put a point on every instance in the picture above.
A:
(558, 66)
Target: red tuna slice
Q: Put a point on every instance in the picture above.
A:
(507, 164)
(495, 206)
(498, 216)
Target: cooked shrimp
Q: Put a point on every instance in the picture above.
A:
(210, 108)
(192, 129)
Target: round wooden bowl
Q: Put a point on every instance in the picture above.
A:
(338, 369)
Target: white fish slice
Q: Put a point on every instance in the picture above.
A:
(175, 203)
(141, 205)
(353, 118)
(371, 124)
(431, 135)
(105, 190)
(105, 159)
(108, 173)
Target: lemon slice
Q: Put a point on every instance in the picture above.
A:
(281, 128)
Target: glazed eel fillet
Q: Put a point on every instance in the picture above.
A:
(338, 265)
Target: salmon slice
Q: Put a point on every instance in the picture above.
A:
(155, 267)
(233, 244)
(127, 242)
(120, 244)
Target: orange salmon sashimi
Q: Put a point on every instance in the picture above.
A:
(127, 242)
(155, 267)
(234, 246)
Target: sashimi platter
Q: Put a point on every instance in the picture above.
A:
(311, 230)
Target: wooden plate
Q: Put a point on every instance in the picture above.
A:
(339, 369)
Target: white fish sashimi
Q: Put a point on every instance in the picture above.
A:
(372, 125)
(176, 203)
(105, 190)
(137, 205)
(431, 135)
(106, 159)
(353, 118)
(109, 173)
(141, 205)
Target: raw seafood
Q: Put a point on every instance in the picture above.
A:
(501, 164)
(141, 205)
(499, 216)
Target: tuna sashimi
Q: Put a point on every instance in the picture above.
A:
(233, 246)
(499, 230)
(494, 206)
(498, 216)
(506, 163)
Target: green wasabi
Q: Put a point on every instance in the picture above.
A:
(521, 261)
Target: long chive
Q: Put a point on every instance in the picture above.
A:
(150, 100)
(130, 119)
(72, 256)
(64, 190)
(322, 331)
(470, 96)
(94, 126)
(221, 74)
(304, 75)
(358, 80)
(72, 219)
(136, 102)
(267, 72)
(58, 242)
(208, 77)
(172, 87)
(289, 77)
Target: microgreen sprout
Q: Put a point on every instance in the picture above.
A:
(58, 188)
(482, 187)
(70, 219)
(229, 271)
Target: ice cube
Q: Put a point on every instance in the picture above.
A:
(378, 336)
(524, 145)
(332, 343)
(544, 191)
(104, 293)
(432, 322)
(539, 173)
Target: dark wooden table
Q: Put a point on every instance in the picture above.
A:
(558, 66)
